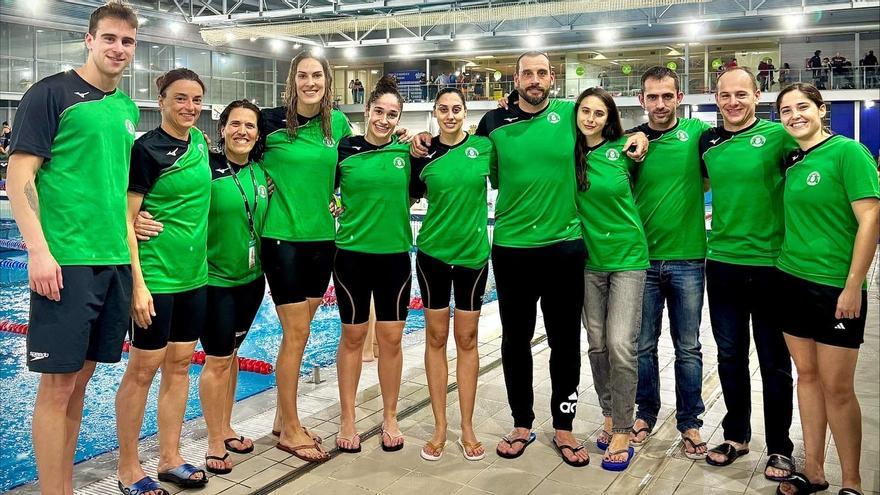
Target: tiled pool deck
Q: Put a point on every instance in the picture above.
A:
(658, 468)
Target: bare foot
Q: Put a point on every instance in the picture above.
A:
(640, 432)
(468, 439)
(619, 443)
(694, 446)
(566, 438)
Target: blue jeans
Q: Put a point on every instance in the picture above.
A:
(680, 283)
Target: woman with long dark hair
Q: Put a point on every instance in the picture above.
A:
(617, 260)
(831, 211)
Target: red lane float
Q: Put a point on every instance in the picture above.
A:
(13, 244)
(244, 364)
(330, 299)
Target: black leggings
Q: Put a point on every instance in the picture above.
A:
(180, 317)
(437, 278)
(554, 275)
(385, 277)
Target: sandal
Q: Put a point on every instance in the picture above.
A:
(182, 476)
(143, 485)
(525, 441)
(350, 440)
(391, 438)
(849, 491)
(433, 448)
(610, 465)
(217, 470)
(600, 444)
(465, 446)
(636, 433)
(574, 450)
(294, 451)
(316, 438)
(688, 443)
(240, 439)
(730, 453)
(782, 462)
(802, 485)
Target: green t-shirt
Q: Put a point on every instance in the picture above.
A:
(745, 170)
(669, 192)
(612, 228)
(175, 179)
(453, 178)
(535, 174)
(303, 170)
(374, 185)
(84, 136)
(820, 227)
(229, 232)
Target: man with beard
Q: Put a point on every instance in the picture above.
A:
(538, 252)
(743, 158)
(669, 195)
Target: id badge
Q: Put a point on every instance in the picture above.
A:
(252, 254)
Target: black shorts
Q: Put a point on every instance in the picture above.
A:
(808, 312)
(230, 313)
(385, 277)
(296, 271)
(88, 323)
(180, 317)
(436, 278)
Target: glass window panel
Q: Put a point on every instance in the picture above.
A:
(228, 65)
(282, 69)
(154, 56)
(44, 69)
(257, 69)
(66, 46)
(195, 59)
(230, 90)
(16, 40)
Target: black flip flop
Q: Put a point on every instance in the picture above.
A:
(802, 485)
(636, 433)
(782, 462)
(217, 470)
(182, 476)
(687, 442)
(246, 450)
(525, 441)
(573, 450)
(729, 451)
(849, 491)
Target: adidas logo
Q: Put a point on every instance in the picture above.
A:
(839, 326)
(573, 396)
(570, 407)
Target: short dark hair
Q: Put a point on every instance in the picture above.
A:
(387, 85)
(532, 53)
(256, 153)
(114, 9)
(612, 131)
(658, 72)
(446, 91)
(738, 68)
(174, 75)
(5, 122)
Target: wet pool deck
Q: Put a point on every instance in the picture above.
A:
(658, 468)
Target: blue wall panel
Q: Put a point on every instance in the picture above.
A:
(843, 118)
(869, 127)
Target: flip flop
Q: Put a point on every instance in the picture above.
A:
(350, 440)
(294, 451)
(465, 446)
(240, 439)
(727, 450)
(316, 438)
(619, 465)
(390, 448)
(433, 447)
(687, 442)
(525, 441)
(561, 448)
(782, 462)
(143, 485)
(217, 470)
(603, 445)
(638, 432)
(802, 485)
(182, 476)
(849, 491)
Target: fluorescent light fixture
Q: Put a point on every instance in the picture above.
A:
(277, 45)
(792, 22)
(174, 27)
(606, 36)
(317, 51)
(297, 46)
(869, 103)
(484, 57)
(533, 40)
(466, 44)
(230, 36)
(253, 39)
(693, 29)
(350, 52)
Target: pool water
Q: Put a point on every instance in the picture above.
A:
(98, 435)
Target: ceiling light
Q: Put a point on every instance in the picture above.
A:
(466, 44)
(693, 29)
(869, 103)
(484, 57)
(350, 52)
(792, 22)
(253, 39)
(230, 36)
(142, 21)
(317, 51)
(277, 45)
(533, 40)
(174, 27)
(297, 46)
(606, 36)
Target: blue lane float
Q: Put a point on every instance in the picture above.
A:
(13, 264)
(13, 244)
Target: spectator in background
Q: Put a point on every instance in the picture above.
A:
(784, 75)
(870, 67)
(442, 81)
(353, 89)
(826, 73)
(359, 90)
(764, 74)
(838, 70)
(815, 63)
(453, 79)
(423, 86)
(5, 136)
(731, 63)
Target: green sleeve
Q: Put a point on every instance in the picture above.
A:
(859, 172)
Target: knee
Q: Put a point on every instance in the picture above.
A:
(176, 369)
(57, 389)
(140, 374)
(390, 342)
(837, 392)
(807, 375)
(438, 339)
(353, 340)
(216, 367)
(466, 341)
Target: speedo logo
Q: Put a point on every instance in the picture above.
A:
(36, 356)
(569, 407)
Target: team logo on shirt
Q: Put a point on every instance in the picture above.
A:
(329, 142)
(399, 162)
(471, 152)
(813, 178)
(261, 190)
(612, 154)
(758, 141)
(129, 125)
(201, 148)
(682, 136)
(553, 118)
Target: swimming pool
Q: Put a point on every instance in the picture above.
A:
(18, 386)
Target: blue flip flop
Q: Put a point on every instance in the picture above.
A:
(182, 476)
(603, 446)
(143, 485)
(619, 466)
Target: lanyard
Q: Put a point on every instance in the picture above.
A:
(247, 207)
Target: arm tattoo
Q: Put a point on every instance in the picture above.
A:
(31, 194)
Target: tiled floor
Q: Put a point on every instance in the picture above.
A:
(658, 468)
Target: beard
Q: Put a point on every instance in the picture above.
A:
(533, 100)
